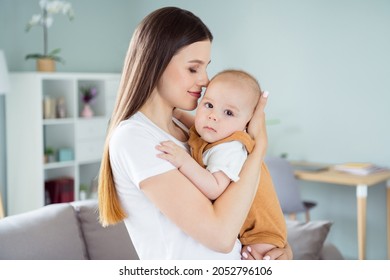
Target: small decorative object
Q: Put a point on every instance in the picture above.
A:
(88, 96)
(49, 155)
(83, 192)
(87, 111)
(60, 190)
(94, 187)
(46, 60)
(49, 108)
(61, 107)
(65, 154)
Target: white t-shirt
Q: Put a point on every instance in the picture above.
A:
(227, 157)
(133, 159)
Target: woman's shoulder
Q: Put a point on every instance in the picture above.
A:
(132, 130)
(136, 124)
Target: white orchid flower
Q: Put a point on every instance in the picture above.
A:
(54, 7)
(43, 4)
(45, 19)
(49, 22)
(36, 19)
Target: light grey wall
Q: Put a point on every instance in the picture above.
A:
(325, 63)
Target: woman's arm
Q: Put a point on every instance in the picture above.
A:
(217, 224)
(214, 225)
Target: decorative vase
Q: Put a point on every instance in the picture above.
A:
(87, 111)
(46, 65)
(83, 195)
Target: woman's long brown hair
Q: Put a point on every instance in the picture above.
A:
(158, 37)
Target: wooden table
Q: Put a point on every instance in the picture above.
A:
(1, 207)
(361, 183)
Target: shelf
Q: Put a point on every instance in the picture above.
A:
(58, 121)
(51, 104)
(58, 164)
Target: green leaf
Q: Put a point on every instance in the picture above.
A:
(52, 55)
(54, 52)
(34, 56)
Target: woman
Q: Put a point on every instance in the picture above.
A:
(166, 215)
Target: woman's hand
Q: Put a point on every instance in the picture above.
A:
(256, 127)
(256, 251)
(274, 254)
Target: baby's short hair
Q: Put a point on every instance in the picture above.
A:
(242, 76)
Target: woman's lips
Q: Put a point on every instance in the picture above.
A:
(196, 94)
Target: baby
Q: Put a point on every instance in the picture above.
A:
(219, 147)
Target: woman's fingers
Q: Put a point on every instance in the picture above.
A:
(257, 122)
(246, 253)
(257, 127)
(262, 101)
(280, 253)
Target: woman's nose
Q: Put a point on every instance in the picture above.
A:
(203, 79)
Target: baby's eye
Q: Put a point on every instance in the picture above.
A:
(193, 70)
(208, 105)
(229, 113)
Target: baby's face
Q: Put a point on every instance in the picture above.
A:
(226, 107)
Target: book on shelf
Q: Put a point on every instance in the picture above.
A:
(359, 168)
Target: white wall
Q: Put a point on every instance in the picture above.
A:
(325, 63)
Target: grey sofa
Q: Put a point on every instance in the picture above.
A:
(70, 231)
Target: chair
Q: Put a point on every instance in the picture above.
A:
(287, 188)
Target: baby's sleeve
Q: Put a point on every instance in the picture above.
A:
(226, 157)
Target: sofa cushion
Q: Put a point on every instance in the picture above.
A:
(116, 243)
(330, 252)
(50, 232)
(307, 239)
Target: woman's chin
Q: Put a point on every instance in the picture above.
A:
(189, 107)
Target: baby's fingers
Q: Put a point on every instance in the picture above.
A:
(165, 146)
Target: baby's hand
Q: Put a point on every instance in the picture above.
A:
(256, 251)
(173, 153)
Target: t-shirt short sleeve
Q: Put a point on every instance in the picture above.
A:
(226, 157)
(133, 152)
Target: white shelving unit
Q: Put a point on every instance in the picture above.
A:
(30, 133)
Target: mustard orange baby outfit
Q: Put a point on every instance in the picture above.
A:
(265, 222)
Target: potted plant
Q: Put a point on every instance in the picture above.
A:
(49, 155)
(84, 190)
(46, 60)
